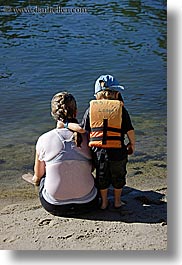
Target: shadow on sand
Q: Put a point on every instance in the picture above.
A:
(140, 207)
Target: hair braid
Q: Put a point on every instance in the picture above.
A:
(63, 107)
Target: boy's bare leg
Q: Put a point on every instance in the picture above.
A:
(104, 198)
(117, 198)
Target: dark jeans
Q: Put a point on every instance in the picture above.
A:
(68, 210)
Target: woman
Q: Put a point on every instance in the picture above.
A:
(63, 165)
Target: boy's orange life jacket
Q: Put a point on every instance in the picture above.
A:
(105, 123)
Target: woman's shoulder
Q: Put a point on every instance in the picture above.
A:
(47, 135)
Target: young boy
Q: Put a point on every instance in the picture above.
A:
(108, 122)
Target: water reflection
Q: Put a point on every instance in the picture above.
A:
(43, 53)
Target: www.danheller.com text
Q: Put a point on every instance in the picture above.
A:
(48, 9)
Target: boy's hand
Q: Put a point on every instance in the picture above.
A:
(130, 148)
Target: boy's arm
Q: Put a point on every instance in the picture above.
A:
(131, 144)
(72, 126)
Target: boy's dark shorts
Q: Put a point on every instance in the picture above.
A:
(111, 172)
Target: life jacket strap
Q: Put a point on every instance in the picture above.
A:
(98, 129)
(107, 138)
(105, 124)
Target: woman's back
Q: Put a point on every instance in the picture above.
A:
(68, 167)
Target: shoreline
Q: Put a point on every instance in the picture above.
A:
(139, 225)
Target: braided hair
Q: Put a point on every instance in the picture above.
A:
(64, 108)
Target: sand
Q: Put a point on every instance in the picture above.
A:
(141, 224)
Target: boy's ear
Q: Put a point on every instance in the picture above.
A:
(117, 95)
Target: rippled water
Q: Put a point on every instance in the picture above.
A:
(42, 53)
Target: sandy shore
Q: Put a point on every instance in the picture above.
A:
(141, 224)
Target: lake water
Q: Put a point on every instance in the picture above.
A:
(52, 46)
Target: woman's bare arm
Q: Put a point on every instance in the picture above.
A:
(39, 170)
